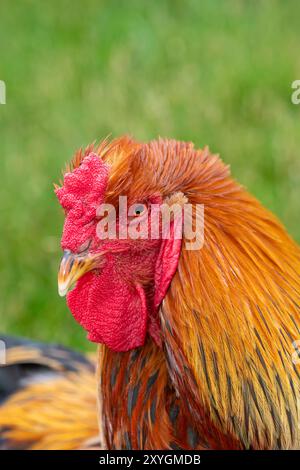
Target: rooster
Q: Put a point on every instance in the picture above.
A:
(196, 347)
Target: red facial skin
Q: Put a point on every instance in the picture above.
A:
(118, 303)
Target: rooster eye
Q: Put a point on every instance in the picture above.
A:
(139, 209)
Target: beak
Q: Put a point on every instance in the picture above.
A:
(72, 267)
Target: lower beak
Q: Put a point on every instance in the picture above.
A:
(73, 267)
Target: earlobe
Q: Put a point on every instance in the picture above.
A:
(165, 268)
(166, 263)
(168, 257)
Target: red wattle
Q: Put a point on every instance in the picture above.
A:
(112, 311)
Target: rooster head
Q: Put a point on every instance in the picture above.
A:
(114, 286)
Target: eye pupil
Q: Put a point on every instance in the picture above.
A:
(139, 210)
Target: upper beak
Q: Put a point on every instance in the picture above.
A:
(72, 267)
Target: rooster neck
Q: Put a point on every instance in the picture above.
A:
(229, 321)
(133, 395)
(139, 407)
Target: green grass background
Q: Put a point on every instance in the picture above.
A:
(214, 72)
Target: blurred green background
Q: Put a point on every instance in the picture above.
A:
(213, 72)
